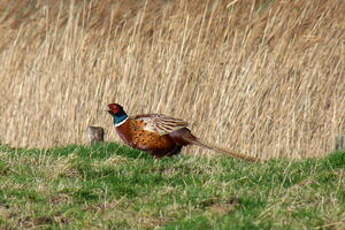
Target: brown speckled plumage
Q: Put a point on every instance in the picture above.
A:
(158, 134)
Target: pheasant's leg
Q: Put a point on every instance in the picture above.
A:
(167, 152)
(175, 151)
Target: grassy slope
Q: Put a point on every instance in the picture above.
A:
(113, 187)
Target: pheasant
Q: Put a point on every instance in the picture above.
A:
(158, 134)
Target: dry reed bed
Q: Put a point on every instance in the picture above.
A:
(265, 78)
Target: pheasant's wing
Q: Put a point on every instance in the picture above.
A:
(160, 123)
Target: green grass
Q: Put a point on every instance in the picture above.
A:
(114, 187)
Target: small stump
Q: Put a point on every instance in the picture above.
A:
(340, 143)
(95, 134)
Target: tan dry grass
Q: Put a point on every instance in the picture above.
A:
(261, 77)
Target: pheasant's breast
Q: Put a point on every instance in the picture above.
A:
(133, 133)
(147, 140)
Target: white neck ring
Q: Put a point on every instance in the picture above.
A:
(121, 123)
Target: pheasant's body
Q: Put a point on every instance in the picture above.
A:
(134, 134)
(157, 134)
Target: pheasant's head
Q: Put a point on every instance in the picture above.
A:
(118, 114)
(114, 108)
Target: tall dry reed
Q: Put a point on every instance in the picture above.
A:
(265, 78)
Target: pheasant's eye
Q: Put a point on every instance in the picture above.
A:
(114, 108)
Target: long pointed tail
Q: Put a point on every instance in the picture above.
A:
(197, 141)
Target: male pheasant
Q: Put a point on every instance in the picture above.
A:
(158, 134)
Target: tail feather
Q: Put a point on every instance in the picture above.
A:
(197, 141)
(185, 137)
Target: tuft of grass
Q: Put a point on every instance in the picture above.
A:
(109, 186)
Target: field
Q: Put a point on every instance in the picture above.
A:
(108, 186)
(261, 77)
